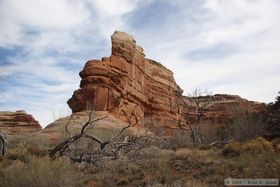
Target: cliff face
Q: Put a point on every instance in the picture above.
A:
(223, 107)
(127, 82)
(18, 122)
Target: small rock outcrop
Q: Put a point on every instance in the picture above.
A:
(127, 82)
(18, 122)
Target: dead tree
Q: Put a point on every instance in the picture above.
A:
(3, 141)
(73, 138)
(112, 149)
(196, 106)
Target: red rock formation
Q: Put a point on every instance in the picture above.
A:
(223, 107)
(18, 122)
(126, 83)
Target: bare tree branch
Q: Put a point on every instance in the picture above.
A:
(196, 107)
(89, 122)
(67, 124)
(113, 149)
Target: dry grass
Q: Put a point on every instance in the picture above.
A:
(180, 183)
(276, 145)
(259, 145)
(194, 166)
(40, 172)
(253, 159)
(27, 165)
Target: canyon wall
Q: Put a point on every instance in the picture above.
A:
(223, 107)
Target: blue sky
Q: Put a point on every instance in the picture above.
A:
(220, 45)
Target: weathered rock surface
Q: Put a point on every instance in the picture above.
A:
(223, 107)
(127, 83)
(18, 122)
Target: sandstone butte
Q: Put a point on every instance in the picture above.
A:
(18, 122)
(132, 87)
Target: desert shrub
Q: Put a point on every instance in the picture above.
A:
(185, 153)
(125, 173)
(155, 166)
(24, 150)
(18, 153)
(36, 150)
(204, 147)
(151, 153)
(180, 139)
(251, 165)
(2, 178)
(40, 172)
(259, 145)
(252, 159)
(209, 131)
(243, 126)
(150, 166)
(36, 146)
(232, 149)
(196, 154)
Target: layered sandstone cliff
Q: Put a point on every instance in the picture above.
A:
(18, 122)
(133, 87)
(223, 107)
(128, 85)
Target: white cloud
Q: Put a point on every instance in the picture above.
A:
(249, 28)
(20, 17)
(114, 7)
(41, 14)
(109, 14)
(52, 33)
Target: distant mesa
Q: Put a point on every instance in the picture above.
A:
(18, 122)
(127, 82)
